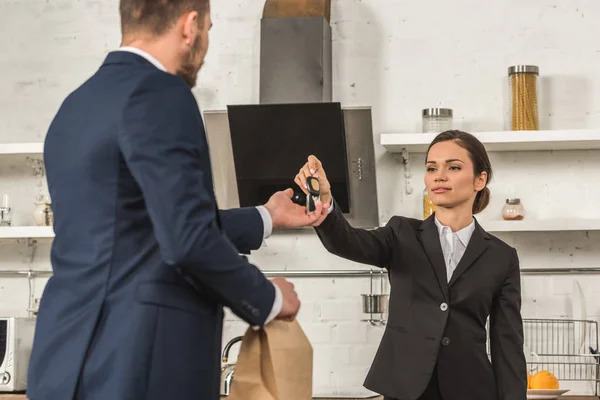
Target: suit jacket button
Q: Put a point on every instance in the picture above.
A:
(445, 341)
(443, 306)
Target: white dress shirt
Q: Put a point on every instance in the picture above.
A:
(453, 244)
(266, 217)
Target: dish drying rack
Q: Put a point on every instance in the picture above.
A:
(568, 348)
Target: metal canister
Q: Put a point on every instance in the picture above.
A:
(436, 120)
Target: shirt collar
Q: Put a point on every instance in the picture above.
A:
(464, 235)
(145, 55)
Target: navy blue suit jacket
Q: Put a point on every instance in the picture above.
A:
(143, 260)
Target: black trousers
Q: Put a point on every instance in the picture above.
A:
(431, 393)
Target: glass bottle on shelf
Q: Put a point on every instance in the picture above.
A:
(513, 210)
(42, 213)
(428, 206)
(5, 214)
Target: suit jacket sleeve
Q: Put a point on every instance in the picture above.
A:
(164, 146)
(244, 227)
(506, 337)
(372, 247)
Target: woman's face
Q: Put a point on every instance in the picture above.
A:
(449, 176)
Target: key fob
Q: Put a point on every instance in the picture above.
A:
(314, 194)
(299, 198)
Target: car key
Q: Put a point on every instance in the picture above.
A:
(314, 194)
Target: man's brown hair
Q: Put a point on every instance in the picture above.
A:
(156, 16)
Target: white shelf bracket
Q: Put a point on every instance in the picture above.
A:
(31, 249)
(404, 158)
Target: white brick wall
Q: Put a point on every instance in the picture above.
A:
(396, 56)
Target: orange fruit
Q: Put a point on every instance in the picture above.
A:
(528, 380)
(543, 380)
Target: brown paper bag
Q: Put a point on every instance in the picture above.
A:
(274, 363)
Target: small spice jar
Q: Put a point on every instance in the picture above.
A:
(513, 210)
(428, 206)
(436, 120)
(523, 94)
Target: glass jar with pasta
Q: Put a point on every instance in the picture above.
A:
(428, 206)
(523, 94)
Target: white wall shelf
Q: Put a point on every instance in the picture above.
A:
(542, 225)
(502, 141)
(26, 232)
(22, 148)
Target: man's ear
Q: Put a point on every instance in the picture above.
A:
(190, 27)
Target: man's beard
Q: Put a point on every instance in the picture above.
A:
(188, 71)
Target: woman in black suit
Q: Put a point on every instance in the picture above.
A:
(447, 276)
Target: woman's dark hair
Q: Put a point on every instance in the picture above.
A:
(478, 156)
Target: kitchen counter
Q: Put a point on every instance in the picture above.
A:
(338, 398)
(381, 398)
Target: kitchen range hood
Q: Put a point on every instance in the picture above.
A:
(295, 52)
(257, 149)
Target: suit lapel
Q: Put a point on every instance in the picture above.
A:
(477, 245)
(430, 240)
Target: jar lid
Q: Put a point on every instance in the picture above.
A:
(523, 69)
(513, 201)
(437, 112)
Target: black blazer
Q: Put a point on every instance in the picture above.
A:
(434, 323)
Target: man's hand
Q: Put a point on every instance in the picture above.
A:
(291, 303)
(287, 214)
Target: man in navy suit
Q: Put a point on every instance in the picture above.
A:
(143, 260)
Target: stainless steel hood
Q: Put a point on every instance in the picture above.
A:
(295, 69)
(295, 57)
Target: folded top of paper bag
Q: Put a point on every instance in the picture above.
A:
(275, 363)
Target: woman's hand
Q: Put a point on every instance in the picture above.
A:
(313, 167)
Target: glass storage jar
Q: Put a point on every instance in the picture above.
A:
(436, 120)
(513, 210)
(523, 90)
